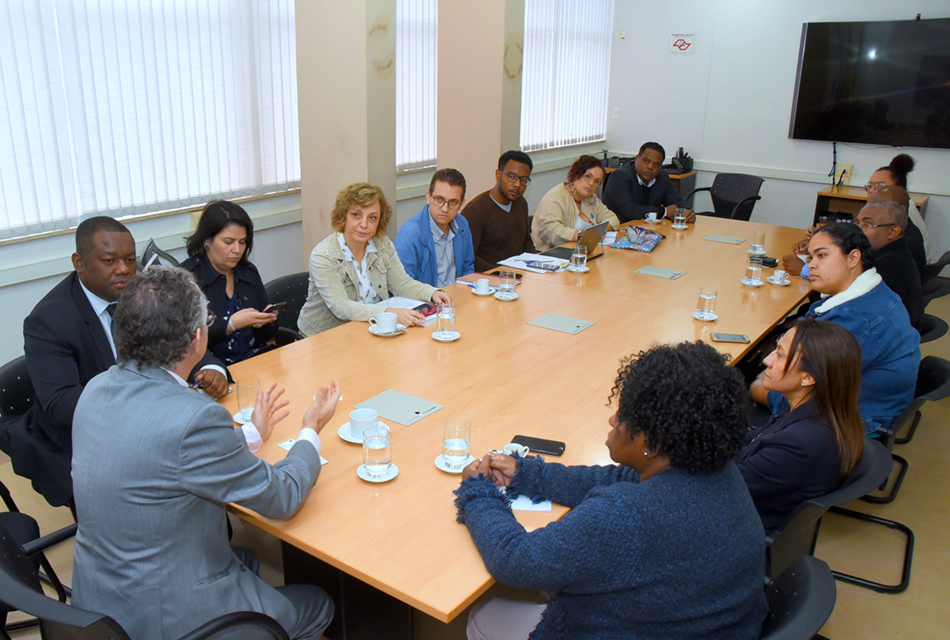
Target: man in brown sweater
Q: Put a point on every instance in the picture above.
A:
(499, 217)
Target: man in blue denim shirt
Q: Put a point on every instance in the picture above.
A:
(435, 245)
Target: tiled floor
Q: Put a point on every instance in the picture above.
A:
(923, 504)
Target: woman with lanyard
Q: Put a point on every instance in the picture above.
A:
(353, 270)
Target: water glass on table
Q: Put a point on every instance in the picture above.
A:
(679, 220)
(758, 243)
(753, 276)
(506, 282)
(247, 389)
(456, 442)
(377, 451)
(706, 305)
(578, 258)
(445, 320)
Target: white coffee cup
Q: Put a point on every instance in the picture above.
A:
(651, 216)
(512, 448)
(361, 420)
(384, 322)
(481, 285)
(781, 276)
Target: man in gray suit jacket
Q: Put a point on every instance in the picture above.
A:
(155, 462)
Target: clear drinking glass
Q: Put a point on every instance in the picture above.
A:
(446, 321)
(247, 389)
(506, 282)
(758, 243)
(706, 305)
(753, 275)
(456, 442)
(578, 257)
(377, 451)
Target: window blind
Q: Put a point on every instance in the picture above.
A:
(416, 84)
(119, 107)
(566, 66)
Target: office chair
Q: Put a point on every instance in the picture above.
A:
(931, 328)
(733, 195)
(293, 290)
(933, 270)
(933, 384)
(935, 288)
(798, 535)
(800, 600)
(20, 589)
(155, 255)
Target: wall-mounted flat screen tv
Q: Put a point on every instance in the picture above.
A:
(874, 82)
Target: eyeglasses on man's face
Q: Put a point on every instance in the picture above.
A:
(870, 225)
(513, 177)
(441, 202)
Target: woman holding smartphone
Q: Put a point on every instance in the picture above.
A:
(218, 253)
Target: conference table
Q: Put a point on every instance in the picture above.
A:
(507, 377)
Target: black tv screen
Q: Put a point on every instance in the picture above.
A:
(874, 82)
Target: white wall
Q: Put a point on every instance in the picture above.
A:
(729, 103)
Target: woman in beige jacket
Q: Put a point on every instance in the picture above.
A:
(353, 271)
(569, 208)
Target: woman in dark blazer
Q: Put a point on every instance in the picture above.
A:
(218, 257)
(807, 450)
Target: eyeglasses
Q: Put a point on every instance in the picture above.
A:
(211, 318)
(440, 203)
(589, 177)
(874, 186)
(871, 225)
(514, 177)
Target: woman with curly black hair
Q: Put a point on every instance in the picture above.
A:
(666, 543)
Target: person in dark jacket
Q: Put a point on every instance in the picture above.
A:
(807, 450)
(218, 257)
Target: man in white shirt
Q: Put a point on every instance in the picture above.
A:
(155, 463)
(68, 341)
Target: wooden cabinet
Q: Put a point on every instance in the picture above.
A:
(847, 201)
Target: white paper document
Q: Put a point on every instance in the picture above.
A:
(518, 262)
(287, 445)
(398, 302)
(523, 503)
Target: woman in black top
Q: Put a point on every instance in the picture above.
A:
(218, 257)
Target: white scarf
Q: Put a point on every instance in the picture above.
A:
(366, 293)
(861, 285)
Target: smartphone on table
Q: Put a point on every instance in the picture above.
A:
(729, 337)
(540, 445)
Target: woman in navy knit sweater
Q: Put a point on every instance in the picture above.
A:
(667, 544)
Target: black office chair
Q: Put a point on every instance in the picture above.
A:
(20, 590)
(291, 289)
(931, 328)
(935, 288)
(152, 254)
(733, 195)
(933, 270)
(933, 384)
(16, 389)
(800, 601)
(798, 535)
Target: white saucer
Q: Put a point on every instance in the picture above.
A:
(344, 432)
(648, 221)
(400, 329)
(679, 226)
(491, 291)
(751, 283)
(506, 297)
(440, 463)
(579, 269)
(364, 475)
(756, 252)
(437, 335)
(241, 420)
(779, 283)
(713, 318)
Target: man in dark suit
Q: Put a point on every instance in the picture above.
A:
(68, 341)
(640, 187)
(151, 549)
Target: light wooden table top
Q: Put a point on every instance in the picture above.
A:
(506, 377)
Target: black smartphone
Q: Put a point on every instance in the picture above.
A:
(729, 337)
(274, 307)
(540, 445)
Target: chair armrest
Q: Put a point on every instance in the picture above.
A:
(742, 202)
(286, 335)
(248, 619)
(695, 191)
(47, 541)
